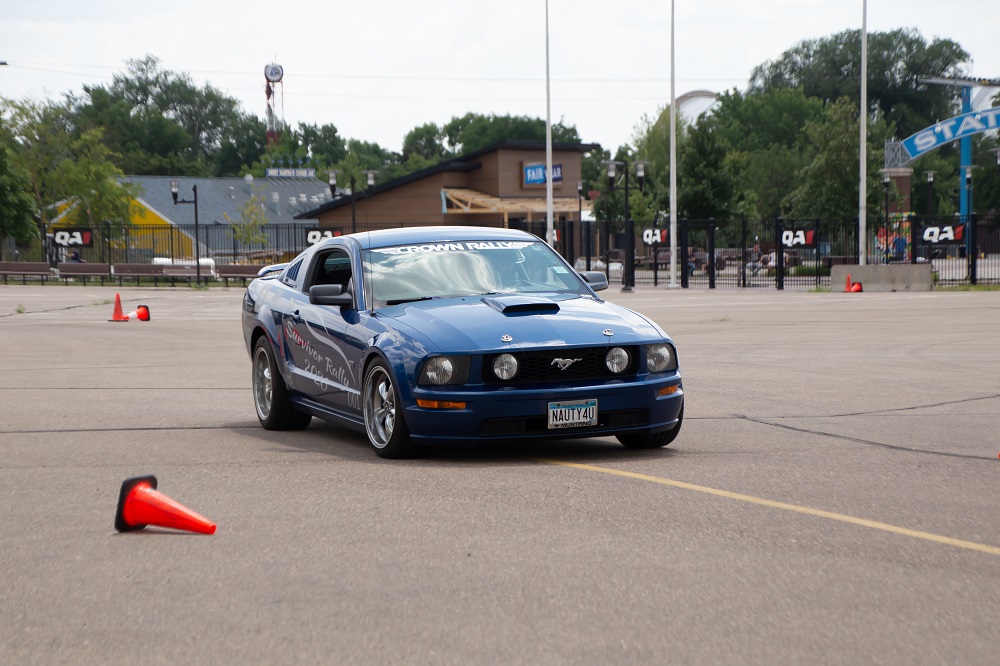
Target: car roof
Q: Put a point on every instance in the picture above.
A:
(409, 235)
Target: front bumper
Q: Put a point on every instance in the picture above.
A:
(635, 406)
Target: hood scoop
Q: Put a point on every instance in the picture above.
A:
(517, 304)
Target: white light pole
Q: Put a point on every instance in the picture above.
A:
(863, 177)
(673, 160)
(549, 227)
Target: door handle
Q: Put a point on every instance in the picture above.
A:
(295, 317)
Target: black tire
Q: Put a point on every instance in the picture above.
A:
(270, 395)
(383, 412)
(656, 440)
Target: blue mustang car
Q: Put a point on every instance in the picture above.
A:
(447, 335)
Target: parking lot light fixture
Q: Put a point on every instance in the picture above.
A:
(197, 251)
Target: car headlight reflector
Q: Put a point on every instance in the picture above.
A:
(505, 366)
(617, 360)
(660, 358)
(441, 370)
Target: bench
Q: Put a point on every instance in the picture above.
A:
(173, 272)
(25, 269)
(71, 270)
(236, 271)
(137, 272)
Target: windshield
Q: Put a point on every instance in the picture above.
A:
(407, 273)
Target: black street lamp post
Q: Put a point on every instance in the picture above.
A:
(930, 194)
(968, 186)
(370, 173)
(579, 217)
(197, 250)
(885, 247)
(628, 273)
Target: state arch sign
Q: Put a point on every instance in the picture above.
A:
(950, 130)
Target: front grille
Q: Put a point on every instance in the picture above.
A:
(538, 425)
(539, 367)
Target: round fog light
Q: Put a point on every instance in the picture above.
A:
(505, 366)
(616, 360)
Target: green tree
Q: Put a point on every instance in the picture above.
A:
(829, 182)
(16, 207)
(762, 135)
(426, 141)
(475, 131)
(94, 182)
(159, 122)
(830, 68)
(705, 187)
(40, 149)
(323, 144)
(242, 146)
(249, 228)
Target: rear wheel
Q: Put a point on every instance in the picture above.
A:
(270, 395)
(656, 440)
(383, 412)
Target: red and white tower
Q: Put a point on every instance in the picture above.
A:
(273, 74)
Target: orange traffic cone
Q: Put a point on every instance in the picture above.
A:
(847, 287)
(856, 287)
(140, 504)
(141, 313)
(117, 315)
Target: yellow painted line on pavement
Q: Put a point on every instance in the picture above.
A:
(819, 513)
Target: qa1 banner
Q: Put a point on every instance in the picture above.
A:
(74, 237)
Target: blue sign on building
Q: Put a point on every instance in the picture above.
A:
(534, 174)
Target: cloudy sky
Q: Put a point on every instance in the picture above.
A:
(377, 69)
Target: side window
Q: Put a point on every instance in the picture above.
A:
(292, 273)
(333, 267)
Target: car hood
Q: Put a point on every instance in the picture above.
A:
(474, 323)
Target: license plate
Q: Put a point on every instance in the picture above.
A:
(572, 414)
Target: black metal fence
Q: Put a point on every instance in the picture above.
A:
(744, 253)
(710, 253)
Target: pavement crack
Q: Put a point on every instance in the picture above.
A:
(866, 442)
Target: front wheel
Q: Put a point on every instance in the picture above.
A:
(383, 413)
(656, 440)
(270, 395)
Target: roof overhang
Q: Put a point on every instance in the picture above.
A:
(465, 202)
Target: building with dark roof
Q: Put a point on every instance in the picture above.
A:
(285, 199)
(503, 185)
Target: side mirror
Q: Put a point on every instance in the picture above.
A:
(330, 294)
(597, 280)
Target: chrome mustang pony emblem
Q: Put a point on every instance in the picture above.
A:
(563, 363)
(506, 337)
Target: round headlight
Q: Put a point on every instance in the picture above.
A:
(505, 366)
(439, 370)
(659, 358)
(616, 360)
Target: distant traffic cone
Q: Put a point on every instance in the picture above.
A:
(117, 315)
(847, 286)
(141, 313)
(140, 504)
(856, 287)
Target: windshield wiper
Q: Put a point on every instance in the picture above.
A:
(400, 301)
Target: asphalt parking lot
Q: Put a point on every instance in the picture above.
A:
(833, 498)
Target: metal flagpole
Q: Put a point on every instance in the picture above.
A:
(549, 227)
(863, 177)
(673, 160)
